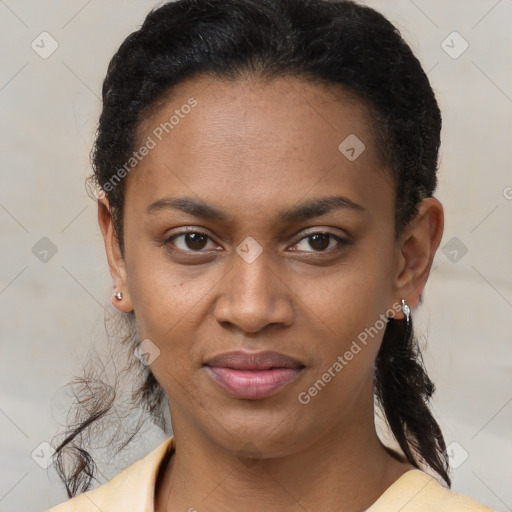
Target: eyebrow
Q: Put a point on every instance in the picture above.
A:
(300, 212)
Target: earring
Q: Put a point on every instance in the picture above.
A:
(118, 295)
(406, 310)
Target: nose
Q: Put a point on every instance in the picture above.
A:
(254, 296)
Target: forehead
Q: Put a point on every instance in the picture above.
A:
(262, 141)
(254, 112)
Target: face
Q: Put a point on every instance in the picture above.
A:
(222, 254)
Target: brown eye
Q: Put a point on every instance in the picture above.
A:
(189, 241)
(195, 241)
(320, 242)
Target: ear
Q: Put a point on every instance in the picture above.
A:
(115, 258)
(416, 249)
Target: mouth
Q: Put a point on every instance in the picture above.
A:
(253, 376)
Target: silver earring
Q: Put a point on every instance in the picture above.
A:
(118, 295)
(406, 310)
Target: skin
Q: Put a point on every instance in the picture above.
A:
(252, 149)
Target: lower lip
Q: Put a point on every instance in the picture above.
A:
(253, 384)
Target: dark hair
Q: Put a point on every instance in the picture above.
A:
(334, 42)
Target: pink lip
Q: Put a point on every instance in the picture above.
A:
(253, 375)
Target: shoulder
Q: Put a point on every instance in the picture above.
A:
(132, 489)
(415, 491)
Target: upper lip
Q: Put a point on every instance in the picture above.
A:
(240, 360)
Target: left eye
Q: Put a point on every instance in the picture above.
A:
(319, 242)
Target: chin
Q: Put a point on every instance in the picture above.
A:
(267, 433)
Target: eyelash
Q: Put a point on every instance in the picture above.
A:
(341, 241)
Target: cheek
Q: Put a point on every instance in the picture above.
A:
(348, 331)
(349, 311)
(169, 301)
(355, 296)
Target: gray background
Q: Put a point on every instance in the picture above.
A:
(51, 310)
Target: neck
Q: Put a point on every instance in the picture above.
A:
(346, 470)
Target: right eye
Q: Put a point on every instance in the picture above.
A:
(188, 241)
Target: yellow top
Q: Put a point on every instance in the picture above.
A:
(133, 490)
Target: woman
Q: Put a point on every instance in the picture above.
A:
(266, 173)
